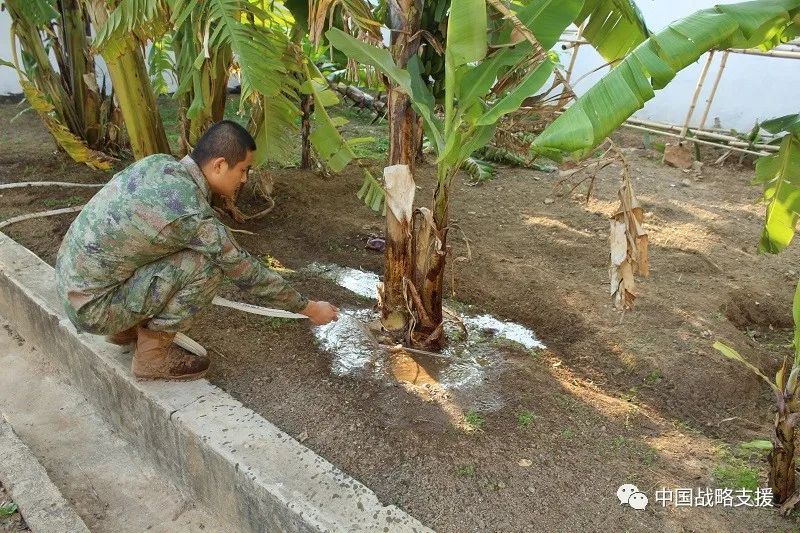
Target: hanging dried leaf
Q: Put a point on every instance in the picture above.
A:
(628, 243)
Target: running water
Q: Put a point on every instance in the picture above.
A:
(464, 368)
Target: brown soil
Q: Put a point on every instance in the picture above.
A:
(639, 397)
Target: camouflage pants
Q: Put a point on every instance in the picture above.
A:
(169, 292)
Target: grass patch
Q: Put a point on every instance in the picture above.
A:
(474, 421)
(735, 469)
(653, 378)
(736, 476)
(466, 471)
(58, 203)
(274, 322)
(525, 418)
(649, 457)
(377, 148)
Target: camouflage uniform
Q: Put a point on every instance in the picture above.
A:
(149, 246)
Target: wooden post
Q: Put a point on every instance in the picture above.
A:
(307, 107)
(714, 88)
(696, 95)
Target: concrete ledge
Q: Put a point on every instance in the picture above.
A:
(252, 474)
(40, 502)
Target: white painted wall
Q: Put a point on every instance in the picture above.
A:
(752, 88)
(8, 77)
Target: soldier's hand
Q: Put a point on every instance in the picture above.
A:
(321, 313)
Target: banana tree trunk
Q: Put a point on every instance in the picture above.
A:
(430, 255)
(405, 17)
(80, 63)
(307, 108)
(136, 98)
(781, 458)
(138, 104)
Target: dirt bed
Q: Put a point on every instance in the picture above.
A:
(639, 397)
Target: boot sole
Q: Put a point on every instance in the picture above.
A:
(185, 377)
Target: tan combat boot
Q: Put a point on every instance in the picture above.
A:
(157, 357)
(123, 338)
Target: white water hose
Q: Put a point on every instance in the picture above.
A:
(194, 347)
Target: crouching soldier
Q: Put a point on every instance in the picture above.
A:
(148, 253)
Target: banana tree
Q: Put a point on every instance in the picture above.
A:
(470, 113)
(780, 176)
(786, 388)
(66, 95)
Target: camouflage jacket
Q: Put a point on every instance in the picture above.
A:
(154, 208)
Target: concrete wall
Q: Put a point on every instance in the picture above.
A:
(752, 88)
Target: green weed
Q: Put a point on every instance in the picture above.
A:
(7, 509)
(474, 421)
(466, 471)
(653, 378)
(524, 418)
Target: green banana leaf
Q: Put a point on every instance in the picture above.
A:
(511, 102)
(780, 176)
(545, 19)
(655, 63)
(367, 54)
(466, 32)
(730, 353)
(613, 27)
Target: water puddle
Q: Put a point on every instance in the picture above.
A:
(462, 377)
(358, 281)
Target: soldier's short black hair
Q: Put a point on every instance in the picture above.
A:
(225, 139)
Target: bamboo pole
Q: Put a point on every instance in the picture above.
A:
(769, 53)
(734, 141)
(696, 95)
(714, 88)
(699, 141)
(568, 74)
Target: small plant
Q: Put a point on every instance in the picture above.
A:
(273, 322)
(618, 442)
(474, 421)
(683, 425)
(276, 265)
(524, 418)
(653, 378)
(568, 434)
(649, 457)
(630, 396)
(466, 471)
(7, 509)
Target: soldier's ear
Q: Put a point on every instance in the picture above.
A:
(219, 165)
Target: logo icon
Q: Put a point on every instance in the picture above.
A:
(630, 495)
